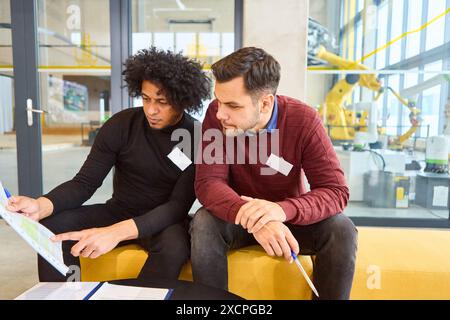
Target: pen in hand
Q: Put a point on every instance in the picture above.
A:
(8, 195)
(297, 262)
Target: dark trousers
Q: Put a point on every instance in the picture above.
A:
(168, 250)
(333, 241)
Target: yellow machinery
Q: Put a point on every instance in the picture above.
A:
(341, 121)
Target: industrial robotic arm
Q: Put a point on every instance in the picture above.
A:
(342, 122)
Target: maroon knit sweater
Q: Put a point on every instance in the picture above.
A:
(304, 144)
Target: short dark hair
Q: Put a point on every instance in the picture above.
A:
(260, 70)
(181, 79)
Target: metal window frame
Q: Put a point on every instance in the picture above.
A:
(120, 33)
(445, 89)
(423, 44)
(238, 23)
(26, 86)
(403, 54)
(401, 222)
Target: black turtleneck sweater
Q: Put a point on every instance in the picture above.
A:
(148, 186)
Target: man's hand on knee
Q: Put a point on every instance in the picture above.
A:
(276, 239)
(257, 212)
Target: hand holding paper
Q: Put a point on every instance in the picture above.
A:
(35, 234)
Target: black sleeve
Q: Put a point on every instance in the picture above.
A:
(171, 212)
(102, 157)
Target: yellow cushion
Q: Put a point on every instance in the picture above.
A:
(391, 264)
(252, 273)
(395, 263)
(121, 263)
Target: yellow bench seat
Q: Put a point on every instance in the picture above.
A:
(391, 264)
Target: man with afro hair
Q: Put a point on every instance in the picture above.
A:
(152, 194)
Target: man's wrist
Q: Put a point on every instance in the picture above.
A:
(45, 207)
(283, 213)
(288, 209)
(126, 230)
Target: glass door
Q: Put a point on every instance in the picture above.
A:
(57, 96)
(74, 80)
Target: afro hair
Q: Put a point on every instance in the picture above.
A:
(181, 79)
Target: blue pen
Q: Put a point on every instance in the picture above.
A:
(297, 262)
(8, 195)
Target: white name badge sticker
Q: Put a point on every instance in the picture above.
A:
(279, 164)
(179, 158)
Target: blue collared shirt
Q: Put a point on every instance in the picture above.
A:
(272, 124)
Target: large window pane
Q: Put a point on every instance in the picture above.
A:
(74, 80)
(396, 31)
(432, 70)
(415, 96)
(383, 15)
(392, 107)
(5, 35)
(199, 29)
(430, 109)
(414, 23)
(436, 31)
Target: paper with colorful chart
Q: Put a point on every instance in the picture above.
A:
(35, 234)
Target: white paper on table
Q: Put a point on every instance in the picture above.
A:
(36, 235)
(117, 292)
(58, 291)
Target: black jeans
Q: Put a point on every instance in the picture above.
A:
(168, 250)
(333, 241)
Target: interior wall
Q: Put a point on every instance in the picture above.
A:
(280, 29)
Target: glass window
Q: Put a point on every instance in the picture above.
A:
(432, 70)
(74, 62)
(5, 35)
(77, 38)
(436, 30)
(360, 5)
(227, 46)
(430, 109)
(411, 77)
(392, 108)
(141, 40)
(200, 29)
(359, 40)
(164, 40)
(186, 42)
(383, 15)
(396, 31)
(414, 23)
(415, 91)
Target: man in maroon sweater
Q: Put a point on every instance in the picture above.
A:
(263, 199)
